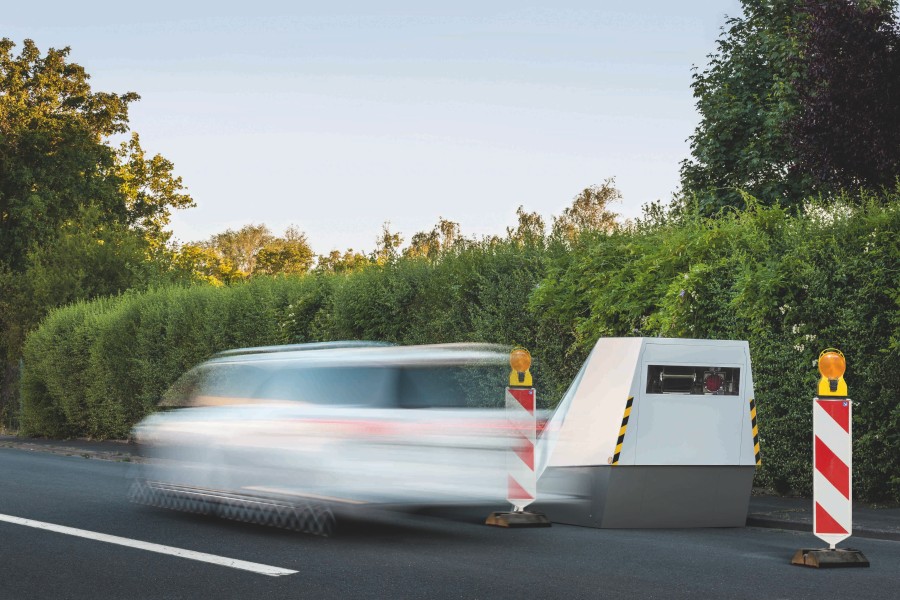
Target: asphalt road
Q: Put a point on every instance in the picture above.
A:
(436, 556)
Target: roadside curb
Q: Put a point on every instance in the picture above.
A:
(115, 451)
(861, 532)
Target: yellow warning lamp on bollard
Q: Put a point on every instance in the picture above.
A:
(520, 361)
(832, 365)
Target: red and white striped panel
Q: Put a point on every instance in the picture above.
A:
(832, 470)
(521, 479)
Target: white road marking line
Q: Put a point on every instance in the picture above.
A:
(150, 547)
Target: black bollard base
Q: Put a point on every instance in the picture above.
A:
(517, 519)
(824, 558)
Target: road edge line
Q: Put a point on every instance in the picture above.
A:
(151, 547)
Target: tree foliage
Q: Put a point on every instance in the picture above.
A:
(846, 132)
(530, 228)
(79, 217)
(233, 255)
(746, 99)
(800, 98)
(336, 262)
(290, 255)
(56, 160)
(150, 190)
(589, 212)
(53, 162)
(239, 247)
(387, 245)
(199, 262)
(89, 258)
(432, 244)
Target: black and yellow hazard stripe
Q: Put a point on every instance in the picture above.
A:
(755, 432)
(615, 459)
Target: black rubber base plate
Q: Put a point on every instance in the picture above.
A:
(517, 519)
(829, 559)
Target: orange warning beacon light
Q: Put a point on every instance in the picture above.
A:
(520, 361)
(832, 365)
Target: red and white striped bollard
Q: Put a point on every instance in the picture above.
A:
(521, 479)
(832, 469)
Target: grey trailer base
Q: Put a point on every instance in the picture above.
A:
(657, 496)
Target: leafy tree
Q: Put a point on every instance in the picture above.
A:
(800, 98)
(449, 231)
(55, 158)
(335, 262)
(233, 255)
(197, 262)
(530, 229)
(387, 245)
(288, 255)
(240, 247)
(77, 215)
(746, 99)
(89, 258)
(589, 212)
(52, 161)
(426, 244)
(432, 244)
(150, 190)
(846, 132)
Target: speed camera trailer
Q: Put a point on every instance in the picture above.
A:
(653, 432)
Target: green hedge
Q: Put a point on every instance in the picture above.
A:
(790, 285)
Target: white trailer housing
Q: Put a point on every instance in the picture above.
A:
(653, 432)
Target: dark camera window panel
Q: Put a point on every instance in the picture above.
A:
(694, 380)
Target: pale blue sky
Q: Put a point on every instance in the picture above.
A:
(339, 116)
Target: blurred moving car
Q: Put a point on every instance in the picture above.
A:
(290, 435)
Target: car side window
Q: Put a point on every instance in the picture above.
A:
(456, 386)
(428, 387)
(336, 385)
